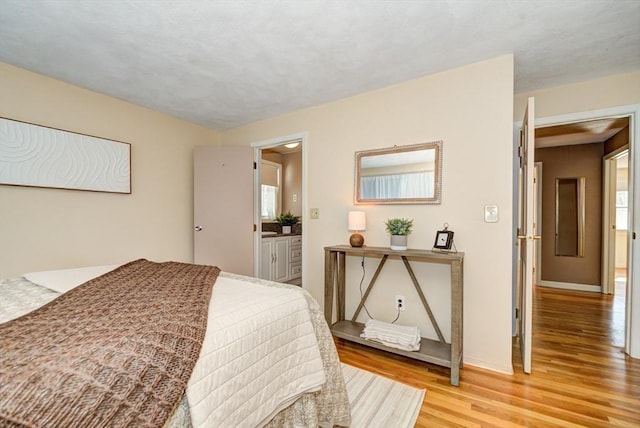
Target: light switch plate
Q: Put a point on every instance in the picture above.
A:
(490, 213)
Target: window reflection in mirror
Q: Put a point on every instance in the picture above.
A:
(570, 212)
(399, 175)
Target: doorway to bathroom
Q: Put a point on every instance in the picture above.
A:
(278, 199)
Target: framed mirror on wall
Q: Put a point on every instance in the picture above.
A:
(399, 175)
(570, 216)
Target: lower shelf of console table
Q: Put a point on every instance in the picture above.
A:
(431, 351)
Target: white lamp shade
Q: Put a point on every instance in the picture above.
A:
(357, 220)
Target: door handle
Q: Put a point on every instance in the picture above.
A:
(529, 237)
(198, 228)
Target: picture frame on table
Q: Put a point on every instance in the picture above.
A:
(444, 240)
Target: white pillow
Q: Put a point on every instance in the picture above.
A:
(67, 279)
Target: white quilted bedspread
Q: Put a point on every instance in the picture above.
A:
(255, 372)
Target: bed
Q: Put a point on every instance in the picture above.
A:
(267, 357)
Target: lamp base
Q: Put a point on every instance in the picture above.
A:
(356, 240)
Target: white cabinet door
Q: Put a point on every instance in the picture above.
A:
(274, 259)
(266, 258)
(281, 263)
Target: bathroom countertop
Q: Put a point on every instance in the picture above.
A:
(277, 235)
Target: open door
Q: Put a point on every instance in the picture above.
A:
(223, 181)
(608, 225)
(526, 233)
(614, 235)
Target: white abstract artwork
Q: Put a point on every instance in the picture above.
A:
(39, 156)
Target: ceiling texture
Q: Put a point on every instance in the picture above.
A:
(223, 64)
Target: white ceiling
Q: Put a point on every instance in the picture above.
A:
(223, 64)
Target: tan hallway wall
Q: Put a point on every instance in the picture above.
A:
(583, 160)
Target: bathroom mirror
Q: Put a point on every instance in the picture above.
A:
(399, 175)
(570, 212)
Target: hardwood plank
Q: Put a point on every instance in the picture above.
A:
(580, 374)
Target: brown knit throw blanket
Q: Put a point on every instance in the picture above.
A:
(115, 351)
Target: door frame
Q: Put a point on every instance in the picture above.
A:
(632, 304)
(258, 146)
(538, 220)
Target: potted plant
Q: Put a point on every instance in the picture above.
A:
(287, 220)
(399, 228)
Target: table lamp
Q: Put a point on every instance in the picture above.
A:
(357, 223)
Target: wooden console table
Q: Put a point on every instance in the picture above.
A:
(431, 351)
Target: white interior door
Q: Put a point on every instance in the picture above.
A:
(526, 233)
(608, 226)
(223, 207)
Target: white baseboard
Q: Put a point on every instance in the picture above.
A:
(571, 286)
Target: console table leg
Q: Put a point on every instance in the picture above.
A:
(340, 295)
(423, 299)
(456, 321)
(329, 275)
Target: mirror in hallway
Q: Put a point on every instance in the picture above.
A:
(570, 214)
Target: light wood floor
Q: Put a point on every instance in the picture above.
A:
(581, 376)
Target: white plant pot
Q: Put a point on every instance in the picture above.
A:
(286, 229)
(398, 242)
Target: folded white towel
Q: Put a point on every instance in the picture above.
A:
(392, 335)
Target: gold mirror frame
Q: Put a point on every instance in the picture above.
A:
(415, 160)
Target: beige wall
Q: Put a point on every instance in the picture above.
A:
(610, 91)
(470, 109)
(584, 160)
(52, 229)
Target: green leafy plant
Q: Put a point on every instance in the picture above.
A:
(287, 219)
(399, 226)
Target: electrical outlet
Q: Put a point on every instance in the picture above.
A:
(400, 303)
(314, 213)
